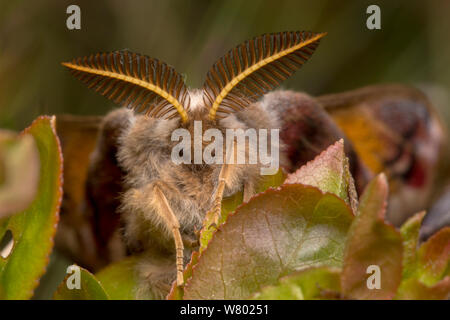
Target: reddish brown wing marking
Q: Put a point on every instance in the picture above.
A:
(395, 130)
(307, 130)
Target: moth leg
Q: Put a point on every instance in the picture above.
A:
(172, 222)
(217, 204)
(249, 190)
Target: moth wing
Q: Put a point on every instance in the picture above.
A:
(306, 130)
(88, 225)
(437, 217)
(395, 130)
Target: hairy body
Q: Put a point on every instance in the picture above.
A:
(144, 149)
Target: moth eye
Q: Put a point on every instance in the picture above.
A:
(181, 153)
(213, 153)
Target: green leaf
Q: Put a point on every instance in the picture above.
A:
(410, 235)
(19, 172)
(230, 204)
(372, 242)
(119, 279)
(320, 283)
(434, 257)
(414, 289)
(329, 172)
(425, 268)
(277, 232)
(90, 288)
(33, 229)
(271, 181)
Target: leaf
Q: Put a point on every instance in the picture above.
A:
(314, 283)
(372, 242)
(255, 67)
(425, 268)
(134, 81)
(414, 289)
(119, 279)
(90, 288)
(271, 181)
(434, 257)
(410, 235)
(230, 204)
(19, 172)
(275, 233)
(33, 229)
(329, 172)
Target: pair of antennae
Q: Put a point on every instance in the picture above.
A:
(236, 80)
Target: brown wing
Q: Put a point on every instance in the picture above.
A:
(92, 183)
(393, 129)
(307, 130)
(438, 216)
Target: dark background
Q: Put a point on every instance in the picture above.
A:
(412, 47)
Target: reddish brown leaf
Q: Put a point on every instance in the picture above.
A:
(275, 233)
(329, 172)
(372, 242)
(434, 257)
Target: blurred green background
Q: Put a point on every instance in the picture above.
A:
(412, 47)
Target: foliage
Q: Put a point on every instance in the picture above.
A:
(336, 248)
(19, 162)
(90, 288)
(34, 227)
(303, 236)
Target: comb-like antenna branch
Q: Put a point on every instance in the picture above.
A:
(255, 67)
(135, 81)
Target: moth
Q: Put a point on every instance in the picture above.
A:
(162, 204)
(129, 172)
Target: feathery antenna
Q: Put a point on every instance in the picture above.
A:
(255, 67)
(135, 81)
